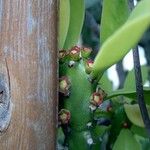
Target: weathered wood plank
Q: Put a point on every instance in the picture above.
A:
(28, 45)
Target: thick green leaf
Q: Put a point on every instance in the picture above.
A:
(129, 89)
(145, 142)
(126, 141)
(134, 114)
(77, 11)
(139, 131)
(125, 38)
(105, 83)
(98, 132)
(130, 79)
(130, 93)
(118, 119)
(64, 17)
(114, 14)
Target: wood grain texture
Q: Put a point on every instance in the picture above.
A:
(5, 99)
(28, 45)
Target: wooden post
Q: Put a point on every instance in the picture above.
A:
(28, 74)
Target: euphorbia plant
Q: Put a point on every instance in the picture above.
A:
(91, 115)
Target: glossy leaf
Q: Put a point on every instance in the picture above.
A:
(125, 38)
(130, 79)
(118, 119)
(126, 141)
(77, 11)
(130, 93)
(145, 142)
(129, 89)
(98, 132)
(114, 14)
(105, 83)
(64, 17)
(134, 114)
(139, 131)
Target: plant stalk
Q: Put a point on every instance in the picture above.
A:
(139, 84)
(139, 90)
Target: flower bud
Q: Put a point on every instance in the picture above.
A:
(85, 52)
(64, 116)
(125, 125)
(96, 99)
(109, 109)
(62, 55)
(101, 91)
(88, 66)
(64, 86)
(74, 53)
